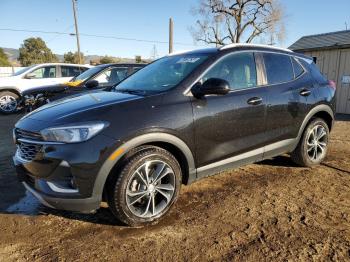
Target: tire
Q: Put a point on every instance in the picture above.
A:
(308, 152)
(130, 195)
(8, 102)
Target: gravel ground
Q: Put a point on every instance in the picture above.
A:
(267, 211)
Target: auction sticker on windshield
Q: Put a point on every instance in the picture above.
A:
(188, 60)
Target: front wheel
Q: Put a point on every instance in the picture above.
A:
(313, 145)
(146, 187)
(8, 102)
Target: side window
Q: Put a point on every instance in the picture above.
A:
(298, 69)
(70, 71)
(278, 68)
(112, 76)
(237, 69)
(44, 72)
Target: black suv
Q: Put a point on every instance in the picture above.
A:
(181, 118)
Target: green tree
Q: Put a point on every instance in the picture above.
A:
(107, 60)
(73, 58)
(35, 51)
(4, 61)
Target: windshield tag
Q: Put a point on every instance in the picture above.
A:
(188, 60)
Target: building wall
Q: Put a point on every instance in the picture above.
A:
(335, 64)
(8, 71)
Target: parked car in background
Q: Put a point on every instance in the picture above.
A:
(99, 77)
(12, 87)
(181, 118)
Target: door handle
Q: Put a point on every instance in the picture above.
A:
(255, 101)
(305, 92)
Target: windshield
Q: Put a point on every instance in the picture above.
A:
(19, 72)
(163, 74)
(87, 74)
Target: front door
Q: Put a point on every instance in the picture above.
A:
(42, 76)
(230, 128)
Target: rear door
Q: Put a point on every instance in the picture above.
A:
(289, 89)
(233, 124)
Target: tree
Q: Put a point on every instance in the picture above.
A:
(233, 21)
(4, 61)
(35, 51)
(108, 59)
(72, 58)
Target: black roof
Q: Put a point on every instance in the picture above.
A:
(338, 39)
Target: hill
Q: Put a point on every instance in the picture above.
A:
(13, 55)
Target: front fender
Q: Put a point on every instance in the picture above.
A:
(117, 154)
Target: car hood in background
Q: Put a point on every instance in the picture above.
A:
(8, 81)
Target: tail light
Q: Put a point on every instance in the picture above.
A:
(332, 84)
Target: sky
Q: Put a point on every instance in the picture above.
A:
(143, 19)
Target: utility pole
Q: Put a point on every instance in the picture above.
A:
(76, 29)
(171, 36)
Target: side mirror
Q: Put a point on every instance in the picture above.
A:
(91, 84)
(30, 76)
(213, 86)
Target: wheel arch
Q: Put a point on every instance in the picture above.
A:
(322, 111)
(11, 89)
(169, 142)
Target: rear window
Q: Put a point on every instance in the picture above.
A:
(71, 71)
(298, 69)
(278, 68)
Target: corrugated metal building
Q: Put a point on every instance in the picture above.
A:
(331, 52)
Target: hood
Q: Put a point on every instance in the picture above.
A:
(72, 107)
(8, 80)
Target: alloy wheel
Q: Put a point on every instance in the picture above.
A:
(8, 103)
(150, 189)
(317, 143)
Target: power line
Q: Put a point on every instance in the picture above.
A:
(97, 36)
(56, 36)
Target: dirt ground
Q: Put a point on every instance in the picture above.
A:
(267, 211)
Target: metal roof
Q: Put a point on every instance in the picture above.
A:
(323, 41)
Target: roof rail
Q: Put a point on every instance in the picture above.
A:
(254, 45)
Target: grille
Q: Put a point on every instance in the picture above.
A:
(28, 151)
(20, 133)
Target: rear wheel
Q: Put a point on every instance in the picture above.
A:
(146, 186)
(312, 147)
(8, 102)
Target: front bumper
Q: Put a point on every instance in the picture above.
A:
(63, 176)
(43, 191)
(86, 205)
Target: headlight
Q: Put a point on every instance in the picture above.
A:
(73, 133)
